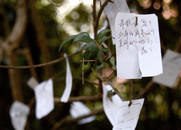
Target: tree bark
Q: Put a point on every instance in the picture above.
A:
(11, 44)
(41, 38)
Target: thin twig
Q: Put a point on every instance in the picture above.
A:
(39, 65)
(29, 59)
(73, 99)
(68, 119)
(76, 78)
(131, 92)
(98, 17)
(88, 60)
(94, 17)
(81, 99)
(147, 88)
(83, 71)
(107, 81)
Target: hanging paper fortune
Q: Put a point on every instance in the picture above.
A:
(138, 52)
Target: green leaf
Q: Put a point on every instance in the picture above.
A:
(102, 34)
(67, 40)
(82, 37)
(91, 51)
(103, 39)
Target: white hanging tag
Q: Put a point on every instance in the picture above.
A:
(19, 113)
(127, 116)
(44, 98)
(68, 83)
(111, 11)
(121, 116)
(32, 82)
(79, 109)
(138, 51)
(171, 69)
(110, 104)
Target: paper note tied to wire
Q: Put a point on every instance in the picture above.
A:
(120, 114)
(138, 52)
(110, 104)
(44, 98)
(68, 82)
(79, 109)
(171, 69)
(111, 10)
(128, 115)
(19, 113)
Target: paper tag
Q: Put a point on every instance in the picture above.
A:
(19, 113)
(128, 115)
(44, 98)
(138, 51)
(121, 116)
(171, 69)
(111, 106)
(68, 83)
(32, 82)
(111, 11)
(79, 109)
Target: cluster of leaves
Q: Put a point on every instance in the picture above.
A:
(93, 49)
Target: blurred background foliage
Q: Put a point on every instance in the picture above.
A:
(162, 107)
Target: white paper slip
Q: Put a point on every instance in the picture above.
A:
(111, 10)
(138, 52)
(79, 109)
(128, 115)
(111, 104)
(121, 116)
(19, 113)
(44, 98)
(32, 82)
(171, 69)
(68, 82)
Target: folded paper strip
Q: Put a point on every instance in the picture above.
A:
(120, 114)
(68, 82)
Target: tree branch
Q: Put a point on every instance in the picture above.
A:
(41, 37)
(17, 32)
(146, 90)
(94, 18)
(81, 99)
(98, 17)
(38, 65)
(11, 43)
(72, 99)
(69, 119)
